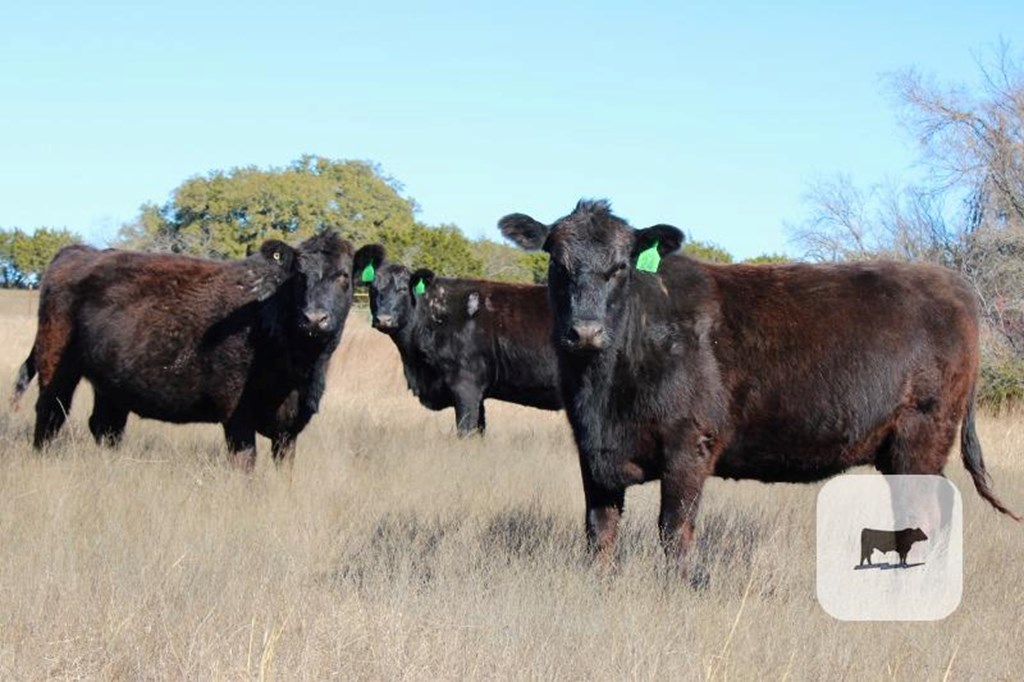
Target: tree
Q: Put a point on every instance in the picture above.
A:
(227, 214)
(967, 209)
(24, 257)
(707, 251)
(766, 258)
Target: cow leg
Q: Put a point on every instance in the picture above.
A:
(283, 448)
(920, 445)
(469, 414)
(681, 486)
(54, 403)
(604, 510)
(241, 438)
(107, 421)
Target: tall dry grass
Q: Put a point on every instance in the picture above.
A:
(395, 551)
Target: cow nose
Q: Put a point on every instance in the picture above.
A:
(587, 334)
(317, 319)
(382, 321)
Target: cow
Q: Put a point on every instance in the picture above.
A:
(899, 541)
(674, 369)
(463, 340)
(245, 343)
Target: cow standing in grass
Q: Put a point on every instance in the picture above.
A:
(677, 370)
(462, 341)
(244, 343)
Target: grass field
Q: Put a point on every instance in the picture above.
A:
(394, 551)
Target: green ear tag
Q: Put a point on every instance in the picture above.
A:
(649, 259)
(419, 288)
(368, 273)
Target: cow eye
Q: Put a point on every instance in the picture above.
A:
(616, 269)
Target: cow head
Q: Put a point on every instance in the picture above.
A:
(595, 257)
(390, 302)
(271, 268)
(429, 299)
(434, 300)
(917, 535)
(322, 284)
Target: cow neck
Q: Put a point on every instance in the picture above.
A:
(631, 343)
(403, 336)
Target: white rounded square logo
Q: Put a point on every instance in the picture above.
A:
(889, 547)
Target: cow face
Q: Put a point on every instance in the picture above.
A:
(917, 535)
(322, 277)
(390, 304)
(594, 260)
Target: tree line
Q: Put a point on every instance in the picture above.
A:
(229, 213)
(25, 255)
(964, 210)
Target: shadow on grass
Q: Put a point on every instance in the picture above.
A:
(886, 567)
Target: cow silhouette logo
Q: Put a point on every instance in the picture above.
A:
(899, 541)
(907, 532)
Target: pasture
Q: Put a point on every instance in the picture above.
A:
(394, 551)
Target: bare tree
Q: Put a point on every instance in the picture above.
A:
(967, 212)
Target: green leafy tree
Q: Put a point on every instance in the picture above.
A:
(537, 262)
(24, 256)
(505, 263)
(768, 258)
(707, 251)
(443, 249)
(228, 214)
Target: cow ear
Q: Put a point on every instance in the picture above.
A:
(366, 262)
(472, 303)
(652, 243)
(278, 252)
(524, 231)
(419, 282)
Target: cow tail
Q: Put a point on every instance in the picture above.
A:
(25, 376)
(970, 452)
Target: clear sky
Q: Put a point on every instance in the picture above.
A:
(711, 116)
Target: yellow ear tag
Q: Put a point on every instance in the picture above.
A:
(649, 259)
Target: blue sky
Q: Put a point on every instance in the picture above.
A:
(712, 116)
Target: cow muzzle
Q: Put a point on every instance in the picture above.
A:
(585, 336)
(384, 322)
(317, 322)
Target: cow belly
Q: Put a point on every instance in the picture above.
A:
(788, 451)
(794, 464)
(544, 398)
(168, 402)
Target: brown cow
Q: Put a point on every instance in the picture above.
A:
(676, 369)
(180, 339)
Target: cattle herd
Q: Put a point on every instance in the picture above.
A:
(668, 368)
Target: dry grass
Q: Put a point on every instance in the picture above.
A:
(394, 551)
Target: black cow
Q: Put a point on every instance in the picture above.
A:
(899, 541)
(245, 343)
(676, 369)
(462, 341)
